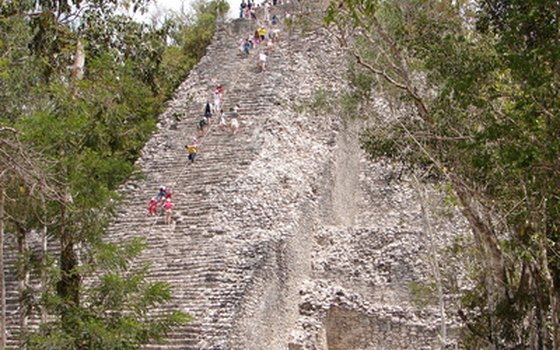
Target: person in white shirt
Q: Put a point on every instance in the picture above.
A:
(266, 11)
(262, 61)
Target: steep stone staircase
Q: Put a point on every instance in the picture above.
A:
(210, 271)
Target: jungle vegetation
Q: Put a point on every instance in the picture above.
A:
(81, 85)
(475, 85)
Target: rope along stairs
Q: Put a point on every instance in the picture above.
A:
(204, 277)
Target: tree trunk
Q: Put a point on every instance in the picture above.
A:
(555, 306)
(487, 238)
(2, 281)
(44, 262)
(68, 288)
(495, 277)
(552, 294)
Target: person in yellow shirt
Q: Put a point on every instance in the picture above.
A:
(192, 149)
(262, 33)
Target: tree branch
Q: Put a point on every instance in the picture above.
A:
(7, 128)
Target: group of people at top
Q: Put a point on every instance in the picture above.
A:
(248, 7)
(228, 121)
(162, 200)
(264, 37)
(261, 37)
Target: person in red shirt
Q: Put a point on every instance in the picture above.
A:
(152, 206)
(168, 193)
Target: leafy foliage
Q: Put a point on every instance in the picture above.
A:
(190, 34)
(482, 78)
(116, 311)
(88, 132)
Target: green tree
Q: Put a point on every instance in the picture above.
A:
(196, 37)
(481, 78)
(89, 130)
(190, 35)
(21, 173)
(117, 312)
(85, 83)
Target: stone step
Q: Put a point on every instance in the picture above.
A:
(207, 270)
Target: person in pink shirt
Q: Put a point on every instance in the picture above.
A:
(168, 210)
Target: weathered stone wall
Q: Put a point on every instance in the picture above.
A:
(349, 329)
(284, 236)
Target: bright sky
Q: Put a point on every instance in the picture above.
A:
(176, 5)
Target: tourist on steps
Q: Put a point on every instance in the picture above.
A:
(217, 102)
(242, 8)
(261, 31)
(161, 194)
(168, 193)
(192, 149)
(257, 38)
(246, 46)
(208, 111)
(233, 123)
(267, 11)
(223, 122)
(275, 35)
(168, 210)
(218, 93)
(201, 124)
(152, 206)
(261, 64)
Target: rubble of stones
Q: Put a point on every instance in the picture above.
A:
(370, 266)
